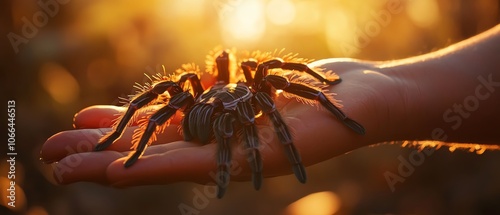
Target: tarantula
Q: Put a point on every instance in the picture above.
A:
(217, 113)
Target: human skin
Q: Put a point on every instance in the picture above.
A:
(417, 98)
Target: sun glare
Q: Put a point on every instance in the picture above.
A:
(243, 21)
(321, 203)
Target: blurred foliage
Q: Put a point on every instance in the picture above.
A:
(61, 56)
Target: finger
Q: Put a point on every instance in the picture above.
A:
(65, 143)
(162, 148)
(187, 161)
(92, 166)
(97, 116)
(103, 116)
(84, 140)
(195, 164)
(88, 166)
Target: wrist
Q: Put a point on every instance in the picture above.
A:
(414, 105)
(446, 97)
(449, 95)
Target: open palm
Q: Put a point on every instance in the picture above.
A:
(317, 134)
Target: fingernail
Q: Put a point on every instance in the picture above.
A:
(74, 120)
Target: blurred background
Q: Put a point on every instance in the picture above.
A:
(59, 56)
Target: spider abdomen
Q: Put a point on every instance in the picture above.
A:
(219, 99)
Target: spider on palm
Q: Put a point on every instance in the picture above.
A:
(226, 108)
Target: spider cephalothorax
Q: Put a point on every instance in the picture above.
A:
(227, 108)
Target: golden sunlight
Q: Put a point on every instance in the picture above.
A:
(243, 22)
(307, 22)
(424, 13)
(471, 147)
(340, 30)
(280, 12)
(321, 203)
(101, 74)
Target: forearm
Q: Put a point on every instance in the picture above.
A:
(450, 95)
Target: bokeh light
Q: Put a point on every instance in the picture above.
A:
(59, 83)
(417, 9)
(13, 194)
(321, 203)
(308, 18)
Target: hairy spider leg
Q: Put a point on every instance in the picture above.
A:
(247, 67)
(304, 68)
(145, 98)
(262, 71)
(223, 131)
(134, 105)
(304, 91)
(195, 83)
(268, 107)
(246, 116)
(184, 99)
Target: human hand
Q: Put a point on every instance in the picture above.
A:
(317, 134)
